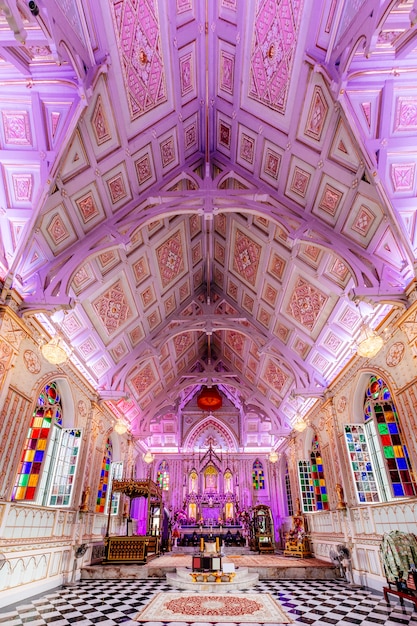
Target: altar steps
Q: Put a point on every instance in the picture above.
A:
(181, 579)
(268, 567)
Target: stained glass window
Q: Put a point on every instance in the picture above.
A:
(361, 464)
(258, 477)
(104, 478)
(66, 463)
(306, 486)
(317, 476)
(116, 472)
(288, 491)
(47, 412)
(389, 451)
(162, 477)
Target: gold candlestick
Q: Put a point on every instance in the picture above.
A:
(201, 544)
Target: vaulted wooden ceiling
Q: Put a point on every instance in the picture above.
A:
(208, 192)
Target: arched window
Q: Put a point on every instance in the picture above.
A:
(105, 477)
(258, 477)
(290, 507)
(379, 457)
(49, 459)
(317, 475)
(162, 477)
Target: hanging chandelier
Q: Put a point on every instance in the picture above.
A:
(209, 399)
(54, 352)
(299, 424)
(369, 343)
(148, 457)
(273, 456)
(120, 427)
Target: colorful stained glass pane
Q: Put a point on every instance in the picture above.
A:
(258, 477)
(379, 406)
(36, 443)
(306, 485)
(317, 476)
(104, 477)
(162, 477)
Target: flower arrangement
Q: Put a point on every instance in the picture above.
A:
(191, 521)
(201, 521)
(244, 516)
(180, 516)
(229, 521)
(220, 520)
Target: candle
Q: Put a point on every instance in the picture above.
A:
(201, 544)
(217, 545)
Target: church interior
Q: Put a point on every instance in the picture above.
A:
(208, 288)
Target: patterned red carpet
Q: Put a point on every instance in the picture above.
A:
(203, 607)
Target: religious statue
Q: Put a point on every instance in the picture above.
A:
(341, 504)
(193, 482)
(211, 480)
(228, 482)
(297, 506)
(84, 500)
(176, 533)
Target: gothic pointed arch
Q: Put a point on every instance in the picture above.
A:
(213, 429)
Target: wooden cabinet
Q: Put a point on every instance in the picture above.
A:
(262, 530)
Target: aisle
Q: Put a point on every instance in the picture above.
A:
(113, 602)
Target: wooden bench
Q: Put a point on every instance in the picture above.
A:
(402, 595)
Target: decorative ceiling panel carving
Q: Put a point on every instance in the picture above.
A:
(139, 43)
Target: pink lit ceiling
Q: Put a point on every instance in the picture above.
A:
(208, 192)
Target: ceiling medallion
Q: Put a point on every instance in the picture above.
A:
(143, 57)
(209, 399)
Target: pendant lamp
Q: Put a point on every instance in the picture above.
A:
(209, 399)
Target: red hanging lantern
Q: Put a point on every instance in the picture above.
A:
(209, 399)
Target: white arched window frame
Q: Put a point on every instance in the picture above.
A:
(49, 460)
(377, 449)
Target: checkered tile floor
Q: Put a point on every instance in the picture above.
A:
(110, 602)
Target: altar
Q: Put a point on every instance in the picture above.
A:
(191, 536)
(210, 493)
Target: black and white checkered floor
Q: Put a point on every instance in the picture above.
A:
(110, 602)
